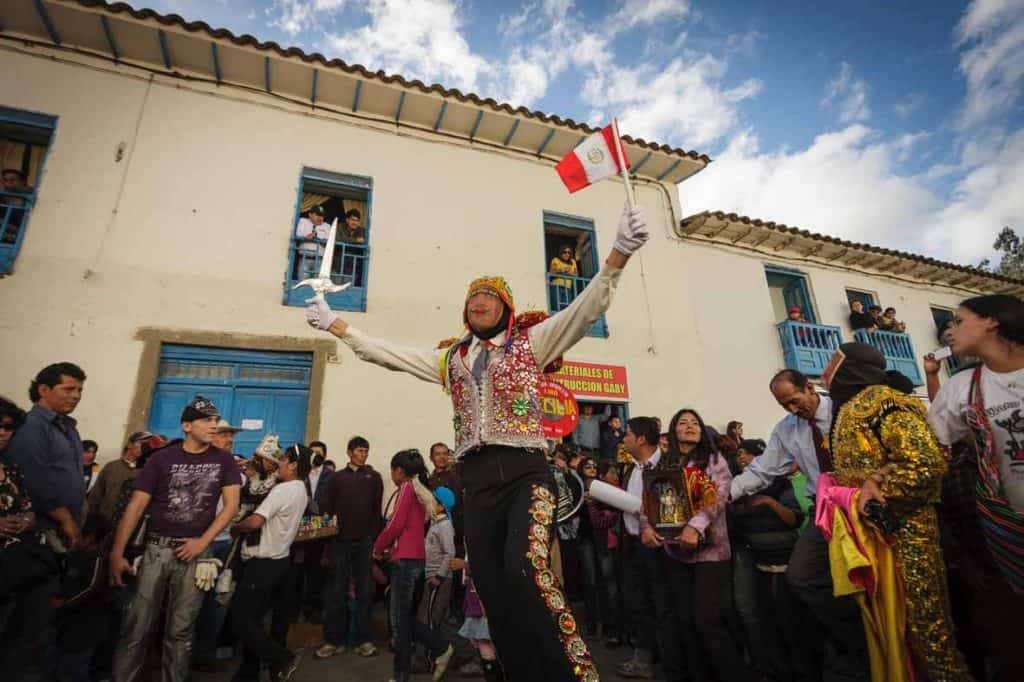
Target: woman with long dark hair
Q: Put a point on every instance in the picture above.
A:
(604, 523)
(986, 404)
(593, 595)
(402, 543)
(697, 567)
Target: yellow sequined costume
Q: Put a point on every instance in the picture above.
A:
(882, 430)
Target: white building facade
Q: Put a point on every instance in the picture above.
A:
(153, 240)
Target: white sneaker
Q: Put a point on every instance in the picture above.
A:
(366, 649)
(327, 650)
(442, 661)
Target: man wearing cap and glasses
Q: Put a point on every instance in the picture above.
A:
(493, 374)
(179, 487)
(110, 481)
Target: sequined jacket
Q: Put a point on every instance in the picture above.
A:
(505, 406)
(881, 429)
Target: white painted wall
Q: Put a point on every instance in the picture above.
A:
(191, 231)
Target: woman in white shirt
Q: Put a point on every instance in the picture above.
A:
(988, 402)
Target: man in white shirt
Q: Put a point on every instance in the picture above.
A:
(493, 375)
(311, 232)
(800, 438)
(264, 583)
(648, 601)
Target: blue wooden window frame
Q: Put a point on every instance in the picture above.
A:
(556, 295)
(801, 290)
(351, 261)
(866, 297)
(12, 237)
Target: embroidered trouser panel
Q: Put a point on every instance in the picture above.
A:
(509, 513)
(928, 614)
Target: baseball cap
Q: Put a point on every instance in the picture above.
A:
(199, 408)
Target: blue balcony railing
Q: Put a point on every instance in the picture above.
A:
(15, 208)
(563, 290)
(807, 347)
(349, 265)
(897, 349)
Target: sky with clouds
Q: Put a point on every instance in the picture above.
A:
(900, 124)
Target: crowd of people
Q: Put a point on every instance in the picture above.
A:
(874, 318)
(866, 537)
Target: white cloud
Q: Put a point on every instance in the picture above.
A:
(683, 101)
(295, 16)
(417, 38)
(649, 12)
(986, 199)
(848, 94)
(744, 43)
(847, 184)
(991, 36)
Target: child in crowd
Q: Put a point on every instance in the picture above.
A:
(474, 628)
(440, 550)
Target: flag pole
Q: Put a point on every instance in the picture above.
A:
(620, 159)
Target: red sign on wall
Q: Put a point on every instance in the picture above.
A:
(558, 409)
(593, 380)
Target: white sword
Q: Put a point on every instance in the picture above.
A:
(323, 284)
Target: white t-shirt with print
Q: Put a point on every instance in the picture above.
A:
(1004, 406)
(283, 509)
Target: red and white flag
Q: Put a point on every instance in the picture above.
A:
(593, 159)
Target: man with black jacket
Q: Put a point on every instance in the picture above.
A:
(354, 496)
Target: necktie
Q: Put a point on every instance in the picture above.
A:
(480, 364)
(824, 456)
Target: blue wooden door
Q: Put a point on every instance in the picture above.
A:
(266, 391)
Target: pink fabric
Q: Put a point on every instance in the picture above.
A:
(829, 497)
(404, 531)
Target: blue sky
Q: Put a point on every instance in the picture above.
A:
(898, 123)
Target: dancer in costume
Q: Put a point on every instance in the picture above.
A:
(881, 443)
(492, 375)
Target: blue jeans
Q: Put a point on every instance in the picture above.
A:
(350, 561)
(404, 626)
(212, 616)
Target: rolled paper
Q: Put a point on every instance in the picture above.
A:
(615, 497)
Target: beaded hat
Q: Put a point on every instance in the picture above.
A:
(495, 286)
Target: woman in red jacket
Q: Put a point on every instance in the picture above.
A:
(401, 542)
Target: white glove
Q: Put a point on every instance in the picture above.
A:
(632, 230)
(206, 572)
(319, 314)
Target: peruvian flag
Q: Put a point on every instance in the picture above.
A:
(593, 159)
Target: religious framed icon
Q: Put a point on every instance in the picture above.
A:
(672, 496)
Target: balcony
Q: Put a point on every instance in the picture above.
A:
(807, 347)
(897, 349)
(349, 265)
(14, 211)
(563, 290)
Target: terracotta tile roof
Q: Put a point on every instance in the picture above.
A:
(357, 69)
(836, 241)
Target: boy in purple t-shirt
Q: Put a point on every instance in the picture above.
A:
(179, 487)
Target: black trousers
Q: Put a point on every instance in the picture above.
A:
(651, 609)
(262, 587)
(697, 589)
(509, 512)
(809, 574)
